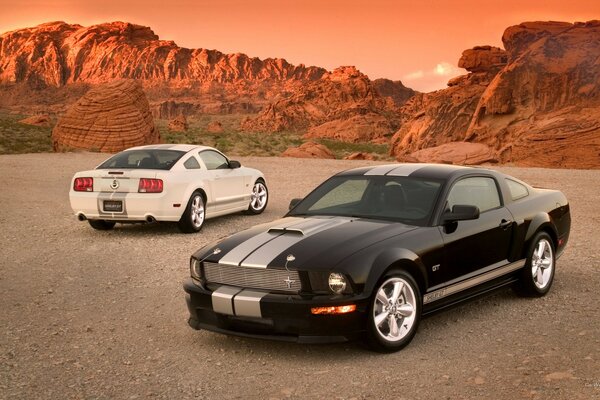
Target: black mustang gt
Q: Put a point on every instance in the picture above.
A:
(371, 250)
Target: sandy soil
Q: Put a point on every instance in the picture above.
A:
(98, 315)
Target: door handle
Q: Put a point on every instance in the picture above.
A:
(505, 223)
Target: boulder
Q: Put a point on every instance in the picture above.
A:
(463, 153)
(309, 150)
(179, 124)
(38, 120)
(214, 127)
(109, 118)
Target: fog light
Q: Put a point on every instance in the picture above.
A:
(337, 282)
(195, 268)
(333, 310)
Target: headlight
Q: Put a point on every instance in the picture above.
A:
(337, 282)
(195, 268)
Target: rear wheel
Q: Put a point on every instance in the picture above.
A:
(538, 274)
(395, 312)
(259, 198)
(101, 224)
(193, 217)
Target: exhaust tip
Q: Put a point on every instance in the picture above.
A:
(81, 217)
(150, 219)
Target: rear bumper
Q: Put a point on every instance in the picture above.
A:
(275, 316)
(136, 206)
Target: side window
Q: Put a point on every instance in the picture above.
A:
(517, 190)
(477, 191)
(213, 160)
(191, 163)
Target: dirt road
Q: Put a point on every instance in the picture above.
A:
(99, 315)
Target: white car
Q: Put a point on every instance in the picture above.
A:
(167, 182)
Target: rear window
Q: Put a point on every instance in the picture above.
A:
(143, 159)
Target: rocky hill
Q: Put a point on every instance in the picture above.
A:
(54, 64)
(343, 105)
(535, 103)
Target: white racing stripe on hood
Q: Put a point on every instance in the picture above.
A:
(241, 251)
(260, 250)
(288, 237)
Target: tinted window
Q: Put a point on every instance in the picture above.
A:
(395, 198)
(477, 191)
(213, 160)
(517, 190)
(191, 163)
(143, 159)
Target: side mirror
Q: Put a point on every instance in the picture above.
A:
(460, 212)
(294, 203)
(234, 164)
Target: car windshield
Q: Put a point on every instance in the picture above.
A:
(143, 159)
(394, 198)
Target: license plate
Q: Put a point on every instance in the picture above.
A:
(113, 206)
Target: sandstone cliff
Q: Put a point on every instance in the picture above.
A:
(536, 103)
(342, 105)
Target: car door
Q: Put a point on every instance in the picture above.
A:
(226, 184)
(473, 246)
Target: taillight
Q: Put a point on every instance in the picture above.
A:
(148, 185)
(83, 185)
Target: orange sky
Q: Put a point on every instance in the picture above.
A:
(418, 41)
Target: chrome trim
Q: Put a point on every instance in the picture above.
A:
(251, 278)
(469, 283)
(247, 303)
(222, 299)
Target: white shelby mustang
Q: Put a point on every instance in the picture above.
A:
(167, 182)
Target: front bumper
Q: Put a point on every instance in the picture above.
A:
(283, 317)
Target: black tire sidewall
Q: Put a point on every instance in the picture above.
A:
(375, 341)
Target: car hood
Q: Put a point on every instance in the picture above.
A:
(315, 242)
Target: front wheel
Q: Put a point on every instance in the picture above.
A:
(259, 198)
(538, 274)
(395, 312)
(193, 217)
(101, 224)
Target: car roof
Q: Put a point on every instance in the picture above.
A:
(418, 170)
(178, 147)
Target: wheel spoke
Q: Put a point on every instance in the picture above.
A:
(398, 287)
(381, 318)
(394, 331)
(406, 310)
(539, 276)
(546, 263)
(382, 297)
(541, 249)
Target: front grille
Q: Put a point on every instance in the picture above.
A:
(253, 278)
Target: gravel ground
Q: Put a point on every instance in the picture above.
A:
(98, 315)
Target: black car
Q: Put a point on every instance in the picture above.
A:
(371, 250)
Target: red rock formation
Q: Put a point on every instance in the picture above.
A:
(359, 156)
(214, 127)
(542, 108)
(464, 153)
(109, 118)
(342, 105)
(309, 150)
(60, 53)
(38, 120)
(179, 124)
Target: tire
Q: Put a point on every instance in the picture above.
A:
(193, 216)
(101, 224)
(393, 324)
(259, 198)
(538, 274)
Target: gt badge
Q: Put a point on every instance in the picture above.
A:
(114, 185)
